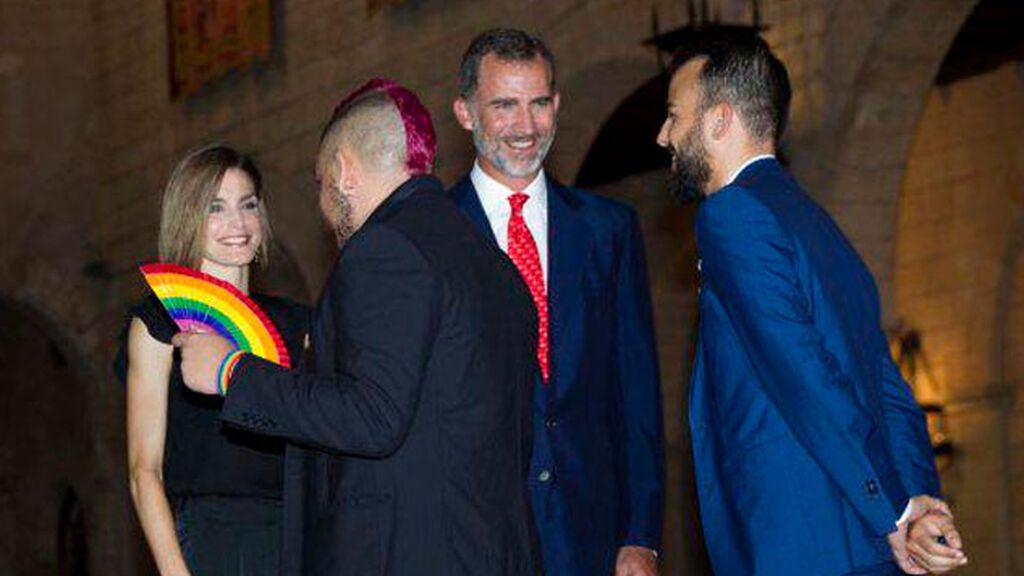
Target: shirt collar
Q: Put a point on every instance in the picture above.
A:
(494, 195)
(744, 166)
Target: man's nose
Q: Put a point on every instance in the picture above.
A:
(662, 138)
(524, 122)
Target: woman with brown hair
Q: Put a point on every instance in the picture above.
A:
(208, 496)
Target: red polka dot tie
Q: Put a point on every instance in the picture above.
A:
(523, 251)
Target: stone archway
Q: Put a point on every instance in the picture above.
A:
(956, 274)
(863, 148)
(46, 439)
(590, 95)
(62, 308)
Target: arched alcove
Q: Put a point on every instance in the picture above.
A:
(625, 144)
(46, 438)
(856, 163)
(590, 97)
(957, 273)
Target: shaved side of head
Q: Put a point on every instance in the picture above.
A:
(371, 128)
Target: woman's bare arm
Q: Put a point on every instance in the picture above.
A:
(149, 371)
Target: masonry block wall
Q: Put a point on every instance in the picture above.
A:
(959, 280)
(89, 134)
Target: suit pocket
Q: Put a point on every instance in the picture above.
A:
(355, 538)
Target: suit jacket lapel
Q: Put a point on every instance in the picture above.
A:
(569, 244)
(465, 196)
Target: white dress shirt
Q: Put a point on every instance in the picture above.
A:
(744, 166)
(494, 198)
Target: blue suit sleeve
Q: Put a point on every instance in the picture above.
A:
(908, 433)
(386, 304)
(643, 474)
(752, 264)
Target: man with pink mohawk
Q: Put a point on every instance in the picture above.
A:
(410, 428)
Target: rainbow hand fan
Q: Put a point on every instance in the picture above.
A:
(198, 302)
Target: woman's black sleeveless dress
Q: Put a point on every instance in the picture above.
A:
(224, 484)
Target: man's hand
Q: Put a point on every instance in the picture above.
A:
(918, 507)
(898, 543)
(636, 561)
(201, 357)
(935, 545)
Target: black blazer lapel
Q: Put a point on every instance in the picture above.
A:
(465, 196)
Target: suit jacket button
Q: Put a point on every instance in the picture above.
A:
(551, 423)
(544, 476)
(871, 487)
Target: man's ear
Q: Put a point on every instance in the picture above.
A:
(462, 114)
(721, 119)
(349, 173)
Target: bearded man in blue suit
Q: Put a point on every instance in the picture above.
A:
(811, 454)
(596, 478)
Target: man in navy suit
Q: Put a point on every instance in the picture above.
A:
(811, 454)
(596, 475)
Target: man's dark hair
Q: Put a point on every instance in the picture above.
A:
(507, 44)
(743, 72)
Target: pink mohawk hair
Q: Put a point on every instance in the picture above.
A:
(420, 140)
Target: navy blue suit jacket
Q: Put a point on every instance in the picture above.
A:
(597, 471)
(807, 442)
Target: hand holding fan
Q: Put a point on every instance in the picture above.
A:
(198, 302)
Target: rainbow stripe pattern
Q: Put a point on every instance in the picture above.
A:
(198, 302)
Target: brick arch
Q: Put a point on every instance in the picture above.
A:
(868, 141)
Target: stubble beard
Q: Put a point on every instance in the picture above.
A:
(343, 224)
(492, 151)
(689, 178)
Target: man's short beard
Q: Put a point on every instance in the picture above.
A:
(688, 182)
(493, 153)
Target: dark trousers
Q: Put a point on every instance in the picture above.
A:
(222, 536)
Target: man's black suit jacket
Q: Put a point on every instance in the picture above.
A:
(411, 431)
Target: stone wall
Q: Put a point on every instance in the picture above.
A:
(959, 280)
(89, 133)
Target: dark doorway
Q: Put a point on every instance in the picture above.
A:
(626, 143)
